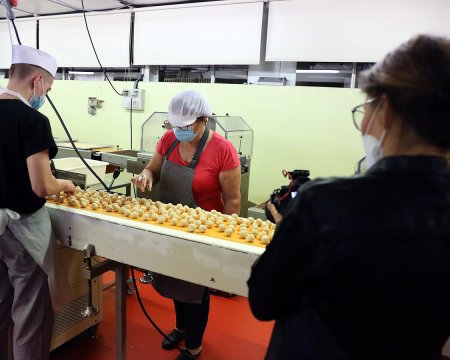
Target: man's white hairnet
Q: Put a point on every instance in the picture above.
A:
(186, 106)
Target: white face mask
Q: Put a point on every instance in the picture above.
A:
(373, 147)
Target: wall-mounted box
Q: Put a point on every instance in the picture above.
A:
(135, 97)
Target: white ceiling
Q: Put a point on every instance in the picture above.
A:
(46, 7)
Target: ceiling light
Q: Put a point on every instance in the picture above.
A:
(81, 73)
(317, 71)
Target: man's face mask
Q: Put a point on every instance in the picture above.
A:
(37, 101)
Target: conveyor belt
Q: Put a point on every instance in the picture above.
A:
(198, 258)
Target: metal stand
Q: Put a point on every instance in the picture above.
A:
(89, 311)
(93, 271)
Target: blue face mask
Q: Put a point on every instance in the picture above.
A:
(184, 135)
(37, 101)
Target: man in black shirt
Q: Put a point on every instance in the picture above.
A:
(26, 146)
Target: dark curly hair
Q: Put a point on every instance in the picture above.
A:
(415, 77)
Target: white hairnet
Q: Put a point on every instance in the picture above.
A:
(186, 106)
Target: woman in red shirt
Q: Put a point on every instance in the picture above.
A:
(196, 167)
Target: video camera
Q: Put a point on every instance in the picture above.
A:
(282, 197)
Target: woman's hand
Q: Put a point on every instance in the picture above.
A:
(273, 210)
(143, 181)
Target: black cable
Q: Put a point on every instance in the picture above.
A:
(131, 121)
(37, 34)
(116, 174)
(15, 30)
(151, 320)
(95, 51)
(131, 41)
(73, 144)
(135, 86)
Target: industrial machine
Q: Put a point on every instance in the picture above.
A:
(69, 321)
(197, 258)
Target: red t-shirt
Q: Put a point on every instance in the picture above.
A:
(217, 156)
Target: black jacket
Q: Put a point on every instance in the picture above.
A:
(359, 268)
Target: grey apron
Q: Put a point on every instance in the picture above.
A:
(35, 233)
(176, 187)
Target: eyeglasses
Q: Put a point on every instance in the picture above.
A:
(358, 113)
(187, 127)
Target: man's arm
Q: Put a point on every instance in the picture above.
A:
(42, 181)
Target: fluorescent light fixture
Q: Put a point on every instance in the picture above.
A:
(317, 71)
(81, 73)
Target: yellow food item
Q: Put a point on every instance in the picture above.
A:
(250, 238)
(174, 215)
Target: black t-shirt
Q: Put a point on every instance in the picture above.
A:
(23, 132)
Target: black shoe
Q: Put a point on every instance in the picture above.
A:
(147, 278)
(186, 355)
(175, 338)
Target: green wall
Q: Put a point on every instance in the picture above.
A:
(294, 127)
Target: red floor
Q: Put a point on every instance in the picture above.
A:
(232, 332)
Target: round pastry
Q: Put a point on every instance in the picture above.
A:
(242, 234)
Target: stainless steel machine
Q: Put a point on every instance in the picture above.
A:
(69, 321)
(233, 128)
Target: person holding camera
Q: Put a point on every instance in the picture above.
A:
(196, 167)
(359, 267)
(281, 198)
